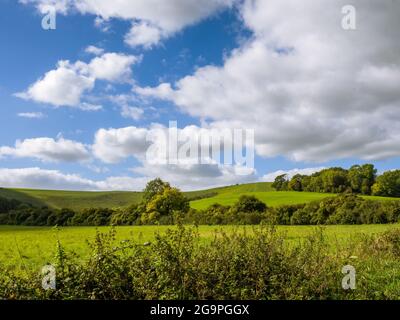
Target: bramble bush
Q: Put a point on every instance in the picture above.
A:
(261, 264)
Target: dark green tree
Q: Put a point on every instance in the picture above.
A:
(281, 183)
(165, 204)
(153, 188)
(387, 184)
(362, 178)
(249, 204)
(296, 183)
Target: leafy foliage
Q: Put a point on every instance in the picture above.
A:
(387, 184)
(281, 183)
(341, 209)
(153, 188)
(177, 265)
(249, 204)
(165, 203)
(358, 179)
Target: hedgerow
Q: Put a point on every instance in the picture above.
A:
(261, 264)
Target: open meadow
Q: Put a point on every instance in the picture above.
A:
(267, 244)
(33, 247)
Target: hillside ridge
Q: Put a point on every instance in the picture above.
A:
(111, 199)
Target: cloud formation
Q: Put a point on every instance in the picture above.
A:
(152, 20)
(148, 146)
(113, 146)
(143, 34)
(48, 150)
(65, 85)
(94, 50)
(62, 86)
(37, 178)
(311, 90)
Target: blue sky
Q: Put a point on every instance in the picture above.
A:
(223, 66)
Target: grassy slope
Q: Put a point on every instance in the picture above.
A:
(83, 199)
(265, 193)
(271, 198)
(225, 195)
(72, 199)
(33, 247)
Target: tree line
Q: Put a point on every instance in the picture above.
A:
(248, 210)
(160, 202)
(359, 179)
(339, 209)
(164, 205)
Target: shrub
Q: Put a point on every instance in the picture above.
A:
(248, 204)
(261, 264)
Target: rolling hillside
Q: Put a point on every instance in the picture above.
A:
(225, 195)
(271, 198)
(72, 199)
(84, 199)
(265, 192)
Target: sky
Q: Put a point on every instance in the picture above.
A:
(78, 102)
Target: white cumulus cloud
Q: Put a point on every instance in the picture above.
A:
(94, 50)
(65, 85)
(148, 146)
(112, 67)
(311, 90)
(37, 178)
(157, 18)
(48, 149)
(133, 113)
(143, 34)
(115, 145)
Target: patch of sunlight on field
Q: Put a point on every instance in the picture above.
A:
(32, 247)
(271, 198)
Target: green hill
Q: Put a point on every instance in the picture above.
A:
(271, 198)
(225, 195)
(265, 192)
(261, 190)
(72, 199)
(84, 199)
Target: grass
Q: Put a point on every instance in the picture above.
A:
(78, 200)
(33, 247)
(271, 198)
(25, 250)
(296, 263)
(72, 199)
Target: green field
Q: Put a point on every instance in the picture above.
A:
(32, 247)
(84, 199)
(271, 198)
(72, 199)
(265, 193)
(225, 195)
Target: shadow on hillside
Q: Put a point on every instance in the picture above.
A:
(21, 196)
